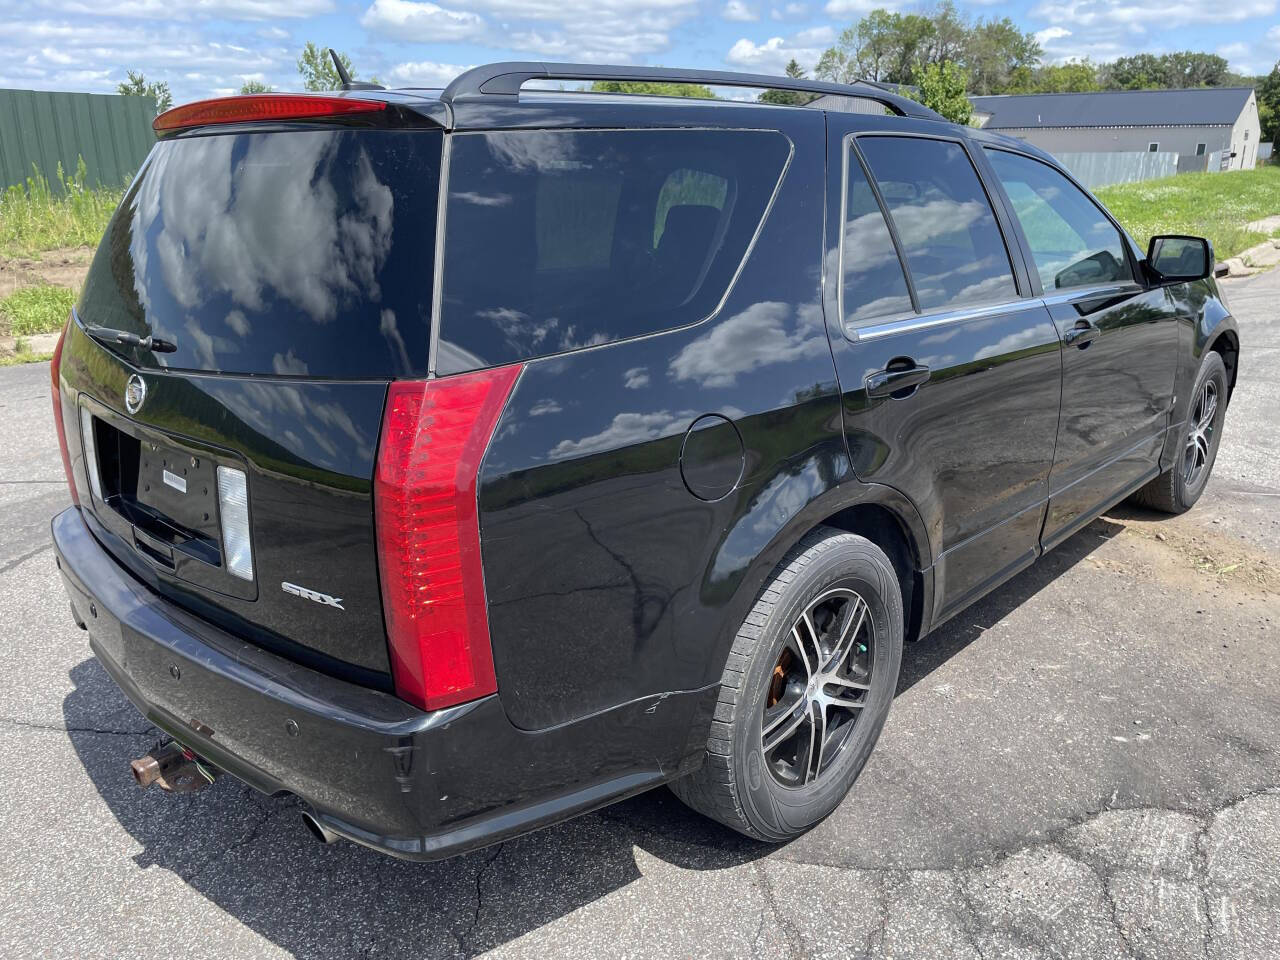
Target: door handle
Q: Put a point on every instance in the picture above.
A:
(1081, 335)
(884, 383)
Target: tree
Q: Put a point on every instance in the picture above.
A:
(1074, 76)
(889, 47)
(1146, 71)
(653, 88)
(317, 69)
(950, 34)
(1268, 93)
(940, 86)
(1189, 69)
(255, 86)
(881, 46)
(788, 98)
(136, 86)
(994, 52)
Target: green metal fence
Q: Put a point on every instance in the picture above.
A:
(40, 130)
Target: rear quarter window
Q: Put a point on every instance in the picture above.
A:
(558, 240)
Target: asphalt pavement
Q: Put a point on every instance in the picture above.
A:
(1084, 764)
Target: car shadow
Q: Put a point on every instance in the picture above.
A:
(251, 856)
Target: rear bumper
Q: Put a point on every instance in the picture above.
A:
(371, 767)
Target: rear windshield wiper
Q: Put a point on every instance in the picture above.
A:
(124, 338)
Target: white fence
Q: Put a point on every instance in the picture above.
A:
(1103, 169)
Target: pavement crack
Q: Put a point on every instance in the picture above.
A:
(250, 836)
(797, 947)
(465, 939)
(975, 918)
(55, 728)
(17, 561)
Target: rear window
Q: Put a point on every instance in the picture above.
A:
(303, 253)
(557, 240)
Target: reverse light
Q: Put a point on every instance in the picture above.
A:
(233, 508)
(261, 106)
(55, 371)
(434, 436)
(90, 448)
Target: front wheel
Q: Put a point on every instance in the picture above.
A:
(805, 691)
(1178, 488)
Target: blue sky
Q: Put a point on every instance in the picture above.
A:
(208, 47)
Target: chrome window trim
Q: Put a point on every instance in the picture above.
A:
(913, 322)
(1087, 293)
(909, 324)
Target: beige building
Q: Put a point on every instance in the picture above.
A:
(1214, 123)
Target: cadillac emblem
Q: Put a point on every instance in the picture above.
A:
(135, 392)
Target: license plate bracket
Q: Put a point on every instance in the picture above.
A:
(180, 489)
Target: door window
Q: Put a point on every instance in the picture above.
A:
(872, 278)
(950, 239)
(1072, 243)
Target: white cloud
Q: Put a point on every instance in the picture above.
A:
(838, 8)
(739, 12)
(791, 11)
(424, 73)
(52, 55)
(1141, 15)
(1050, 34)
(1253, 58)
(815, 37)
(562, 29)
(192, 9)
(773, 55)
(421, 22)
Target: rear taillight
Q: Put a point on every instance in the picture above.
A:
(434, 435)
(261, 106)
(55, 370)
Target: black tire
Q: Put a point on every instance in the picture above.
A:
(740, 784)
(1178, 488)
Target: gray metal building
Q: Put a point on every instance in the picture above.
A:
(1190, 123)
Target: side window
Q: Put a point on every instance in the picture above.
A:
(560, 239)
(949, 235)
(1073, 244)
(872, 278)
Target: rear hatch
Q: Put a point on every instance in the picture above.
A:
(285, 274)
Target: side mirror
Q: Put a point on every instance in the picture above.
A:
(1177, 259)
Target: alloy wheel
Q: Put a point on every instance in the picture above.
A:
(820, 684)
(1200, 436)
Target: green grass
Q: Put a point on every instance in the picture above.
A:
(35, 217)
(1213, 205)
(31, 310)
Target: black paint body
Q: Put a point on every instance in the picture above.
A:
(633, 500)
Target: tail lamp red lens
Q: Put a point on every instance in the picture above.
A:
(434, 436)
(55, 371)
(261, 106)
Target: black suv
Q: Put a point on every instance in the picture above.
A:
(462, 461)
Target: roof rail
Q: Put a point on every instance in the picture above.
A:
(506, 79)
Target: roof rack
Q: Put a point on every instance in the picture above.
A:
(506, 79)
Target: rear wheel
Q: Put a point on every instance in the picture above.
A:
(1178, 488)
(805, 692)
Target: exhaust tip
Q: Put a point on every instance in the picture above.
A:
(318, 829)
